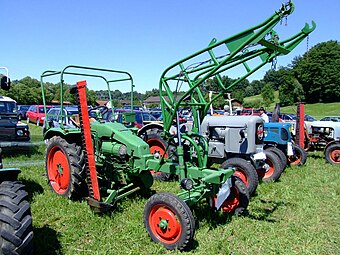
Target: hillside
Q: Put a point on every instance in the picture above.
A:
(317, 110)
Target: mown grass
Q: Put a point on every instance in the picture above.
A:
(299, 214)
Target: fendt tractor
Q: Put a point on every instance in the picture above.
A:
(106, 161)
(16, 231)
(222, 139)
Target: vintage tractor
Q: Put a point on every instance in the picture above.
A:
(326, 135)
(278, 139)
(252, 49)
(16, 232)
(106, 161)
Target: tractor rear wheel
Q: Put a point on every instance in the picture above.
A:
(272, 169)
(157, 147)
(332, 154)
(282, 156)
(169, 221)
(245, 171)
(299, 156)
(65, 168)
(16, 232)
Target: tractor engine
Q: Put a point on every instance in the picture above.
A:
(233, 135)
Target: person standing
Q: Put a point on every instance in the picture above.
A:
(263, 114)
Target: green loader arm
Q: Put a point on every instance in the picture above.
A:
(260, 42)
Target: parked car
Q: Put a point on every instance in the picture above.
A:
(36, 114)
(141, 118)
(22, 109)
(12, 131)
(54, 118)
(331, 118)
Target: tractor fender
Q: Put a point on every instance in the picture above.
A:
(149, 126)
(330, 143)
(9, 174)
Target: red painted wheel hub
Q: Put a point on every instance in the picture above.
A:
(58, 170)
(165, 224)
(335, 156)
(270, 171)
(242, 175)
(156, 146)
(295, 159)
(232, 202)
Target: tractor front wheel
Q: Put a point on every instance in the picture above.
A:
(65, 168)
(169, 221)
(282, 156)
(245, 171)
(299, 156)
(238, 199)
(332, 154)
(16, 235)
(272, 168)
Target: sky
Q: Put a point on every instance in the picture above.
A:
(141, 37)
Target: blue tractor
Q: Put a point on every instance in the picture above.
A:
(278, 139)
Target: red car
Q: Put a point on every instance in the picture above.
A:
(36, 113)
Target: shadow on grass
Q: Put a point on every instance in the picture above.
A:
(32, 188)
(315, 156)
(28, 150)
(46, 241)
(264, 211)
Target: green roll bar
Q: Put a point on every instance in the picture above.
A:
(72, 70)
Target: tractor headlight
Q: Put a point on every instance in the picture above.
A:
(20, 132)
(187, 184)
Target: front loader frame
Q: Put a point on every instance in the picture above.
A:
(260, 43)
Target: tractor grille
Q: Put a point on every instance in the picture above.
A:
(284, 134)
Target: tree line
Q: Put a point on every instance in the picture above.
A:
(311, 78)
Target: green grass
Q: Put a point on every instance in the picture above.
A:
(299, 214)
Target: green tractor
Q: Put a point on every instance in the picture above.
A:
(221, 140)
(16, 231)
(106, 161)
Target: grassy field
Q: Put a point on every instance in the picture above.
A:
(299, 214)
(317, 110)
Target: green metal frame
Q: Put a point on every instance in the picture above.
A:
(126, 77)
(260, 42)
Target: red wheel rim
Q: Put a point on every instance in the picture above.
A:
(155, 146)
(232, 202)
(270, 171)
(295, 159)
(58, 170)
(165, 224)
(335, 156)
(242, 175)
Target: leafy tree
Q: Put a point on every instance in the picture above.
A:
(318, 72)
(267, 94)
(290, 91)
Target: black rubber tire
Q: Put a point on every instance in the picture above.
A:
(153, 137)
(245, 171)
(331, 149)
(180, 211)
(300, 156)
(76, 188)
(282, 156)
(16, 232)
(275, 167)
